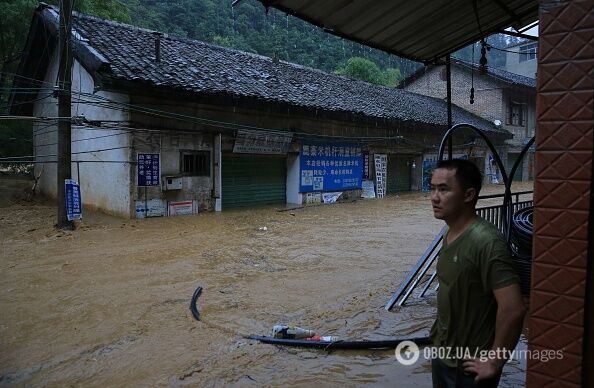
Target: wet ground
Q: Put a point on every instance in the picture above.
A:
(108, 303)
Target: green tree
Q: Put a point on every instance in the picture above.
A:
(15, 20)
(15, 17)
(362, 69)
(392, 77)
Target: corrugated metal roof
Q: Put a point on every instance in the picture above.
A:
(422, 30)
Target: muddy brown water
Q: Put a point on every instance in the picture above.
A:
(108, 303)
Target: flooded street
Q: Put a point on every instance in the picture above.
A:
(108, 303)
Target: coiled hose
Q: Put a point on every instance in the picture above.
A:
(521, 245)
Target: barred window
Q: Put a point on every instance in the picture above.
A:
(516, 114)
(195, 163)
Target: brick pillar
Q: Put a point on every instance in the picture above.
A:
(562, 193)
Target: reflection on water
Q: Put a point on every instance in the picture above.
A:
(107, 304)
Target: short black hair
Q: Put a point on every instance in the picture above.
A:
(467, 174)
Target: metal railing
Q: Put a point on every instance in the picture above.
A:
(419, 276)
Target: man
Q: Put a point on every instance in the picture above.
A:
(479, 303)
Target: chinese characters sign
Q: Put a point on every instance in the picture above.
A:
(148, 170)
(330, 166)
(262, 142)
(73, 200)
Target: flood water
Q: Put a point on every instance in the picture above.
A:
(108, 303)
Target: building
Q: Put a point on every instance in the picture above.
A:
(168, 126)
(521, 58)
(501, 97)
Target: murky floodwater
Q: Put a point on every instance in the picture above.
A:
(108, 303)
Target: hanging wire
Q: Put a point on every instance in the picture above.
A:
(472, 78)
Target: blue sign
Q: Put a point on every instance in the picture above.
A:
(330, 167)
(73, 200)
(148, 170)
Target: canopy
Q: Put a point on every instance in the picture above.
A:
(421, 30)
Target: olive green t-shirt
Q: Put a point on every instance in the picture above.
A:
(469, 269)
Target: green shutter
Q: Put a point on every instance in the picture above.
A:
(398, 174)
(253, 180)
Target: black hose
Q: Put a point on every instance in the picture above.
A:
(193, 307)
(327, 345)
(521, 245)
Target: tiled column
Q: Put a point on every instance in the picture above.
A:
(563, 171)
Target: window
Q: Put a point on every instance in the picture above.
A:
(515, 114)
(528, 52)
(195, 163)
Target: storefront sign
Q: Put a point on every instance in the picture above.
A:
(148, 170)
(330, 166)
(262, 142)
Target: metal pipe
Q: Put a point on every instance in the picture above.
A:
(449, 98)
(508, 183)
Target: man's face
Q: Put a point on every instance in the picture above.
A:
(447, 197)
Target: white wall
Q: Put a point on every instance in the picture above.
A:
(104, 175)
(293, 180)
(513, 64)
(45, 134)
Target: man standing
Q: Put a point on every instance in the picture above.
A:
(479, 303)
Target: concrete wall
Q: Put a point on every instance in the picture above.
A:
(170, 146)
(45, 135)
(293, 179)
(100, 156)
(488, 97)
(513, 64)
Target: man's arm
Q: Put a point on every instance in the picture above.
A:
(508, 327)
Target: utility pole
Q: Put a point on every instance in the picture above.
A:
(449, 98)
(64, 110)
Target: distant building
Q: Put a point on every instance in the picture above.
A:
(175, 126)
(521, 59)
(500, 97)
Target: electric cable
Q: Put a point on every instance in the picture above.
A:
(193, 301)
(340, 344)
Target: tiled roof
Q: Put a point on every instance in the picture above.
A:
(493, 72)
(503, 75)
(198, 67)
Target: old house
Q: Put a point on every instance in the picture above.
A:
(166, 125)
(506, 99)
(520, 58)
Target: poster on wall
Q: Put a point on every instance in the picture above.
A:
(147, 170)
(366, 169)
(330, 167)
(381, 173)
(429, 165)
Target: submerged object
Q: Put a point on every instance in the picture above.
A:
(193, 307)
(362, 344)
(291, 332)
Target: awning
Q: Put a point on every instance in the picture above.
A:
(421, 30)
